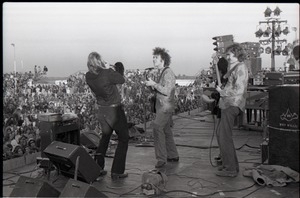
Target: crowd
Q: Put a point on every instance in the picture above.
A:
(24, 99)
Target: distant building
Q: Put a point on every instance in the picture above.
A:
(185, 82)
(61, 82)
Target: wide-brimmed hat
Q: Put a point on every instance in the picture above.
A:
(16, 147)
(30, 140)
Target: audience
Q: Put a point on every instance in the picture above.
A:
(24, 99)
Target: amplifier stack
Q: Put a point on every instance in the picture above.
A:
(284, 126)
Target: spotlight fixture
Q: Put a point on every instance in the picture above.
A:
(268, 50)
(277, 51)
(285, 31)
(277, 11)
(273, 29)
(277, 31)
(267, 32)
(285, 51)
(291, 61)
(264, 42)
(268, 12)
(259, 33)
(261, 50)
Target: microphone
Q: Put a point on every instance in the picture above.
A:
(150, 68)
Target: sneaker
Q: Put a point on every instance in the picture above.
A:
(103, 172)
(224, 173)
(219, 162)
(220, 168)
(118, 176)
(217, 158)
(175, 159)
(160, 164)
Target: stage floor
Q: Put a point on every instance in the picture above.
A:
(193, 173)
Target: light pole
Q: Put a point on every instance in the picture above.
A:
(15, 66)
(273, 28)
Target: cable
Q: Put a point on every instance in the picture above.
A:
(199, 147)
(210, 194)
(10, 184)
(128, 193)
(248, 146)
(110, 192)
(246, 160)
(186, 176)
(17, 174)
(210, 146)
(253, 191)
(192, 118)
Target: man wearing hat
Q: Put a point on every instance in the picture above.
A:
(32, 146)
(17, 151)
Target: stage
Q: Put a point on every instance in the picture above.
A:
(194, 174)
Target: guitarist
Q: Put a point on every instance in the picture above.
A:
(222, 67)
(232, 102)
(164, 144)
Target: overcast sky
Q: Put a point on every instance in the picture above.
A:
(61, 35)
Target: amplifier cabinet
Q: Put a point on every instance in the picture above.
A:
(273, 78)
(68, 132)
(64, 157)
(284, 107)
(90, 139)
(291, 78)
(284, 126)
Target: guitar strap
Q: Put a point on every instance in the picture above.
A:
(230, 71)
(161, 76)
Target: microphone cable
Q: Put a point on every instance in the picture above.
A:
(210, 145)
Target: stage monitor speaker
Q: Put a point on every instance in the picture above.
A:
(75, 188)
(64, 156)
(284, 126)
(90, 139)
(31, 187)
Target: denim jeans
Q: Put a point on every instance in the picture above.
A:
(226, 143)
(164, 143)
(113, 119)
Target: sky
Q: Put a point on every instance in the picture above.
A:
(61, 35)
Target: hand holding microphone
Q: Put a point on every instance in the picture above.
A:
(108, 65)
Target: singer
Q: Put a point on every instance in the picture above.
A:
(111, 115)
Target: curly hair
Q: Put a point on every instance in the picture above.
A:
(237, 51)
(163, 54)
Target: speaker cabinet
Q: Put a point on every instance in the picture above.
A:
(254, 65)
(68, 132)
(31, 187)
(75, 188)
(64, 156)
(90, 139)
(284, 126)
